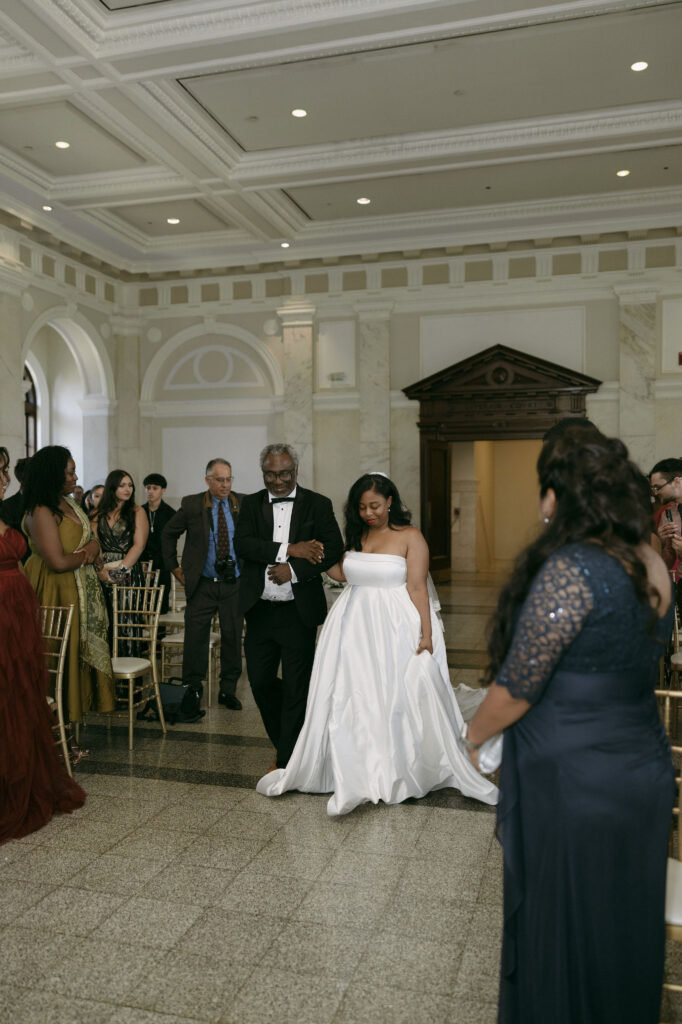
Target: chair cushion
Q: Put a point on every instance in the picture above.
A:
(178, 639)
(673, 892)
(130, 666)
(171, 618)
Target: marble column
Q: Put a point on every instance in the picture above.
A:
(11, 361)
(636, 404)
(297, 339)
(127, 449)
(374, 387)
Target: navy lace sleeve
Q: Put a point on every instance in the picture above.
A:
(550, 619)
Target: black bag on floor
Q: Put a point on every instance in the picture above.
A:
(180, 701)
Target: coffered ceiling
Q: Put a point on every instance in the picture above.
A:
(461, 122)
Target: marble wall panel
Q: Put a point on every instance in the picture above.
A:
(298, 384)
(374, 389)
(337, 463)
(637, 417)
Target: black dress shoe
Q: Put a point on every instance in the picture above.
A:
(230, 701)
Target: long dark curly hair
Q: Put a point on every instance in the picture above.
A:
(601, 496)
(108, 501)
(45, 478)
(355, 529)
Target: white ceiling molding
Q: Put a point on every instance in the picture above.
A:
(565, 135)
(113, 34)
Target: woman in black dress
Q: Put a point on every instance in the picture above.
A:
(121, 528)
(587, 784)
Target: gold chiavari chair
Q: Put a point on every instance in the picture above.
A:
(669, 701)
(55, 626)
(135, 625)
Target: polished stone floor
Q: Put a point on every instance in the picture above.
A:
(179, 894)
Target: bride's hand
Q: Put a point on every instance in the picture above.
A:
(425, 644)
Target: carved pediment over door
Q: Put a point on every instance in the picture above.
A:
(499, 394)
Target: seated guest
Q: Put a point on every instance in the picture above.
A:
(666, 487)
(33, 785)
(60, 570)
(158, 514)
(92, 499)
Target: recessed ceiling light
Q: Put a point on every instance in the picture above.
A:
(622, 174)
(172, 220)
(61, 144)
(46, 208)
(363, 201)
(284, 245)
(639, 65)
(299, 112)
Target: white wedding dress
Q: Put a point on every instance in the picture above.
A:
(381, 721)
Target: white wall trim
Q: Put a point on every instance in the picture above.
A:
(217, 408)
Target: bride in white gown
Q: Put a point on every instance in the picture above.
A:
(381, 719)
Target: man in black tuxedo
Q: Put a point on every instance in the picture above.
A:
(286, 537)
(210, 576)
(158, 514)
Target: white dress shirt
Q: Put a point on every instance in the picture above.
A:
(281, 523)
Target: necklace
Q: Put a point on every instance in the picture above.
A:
(152, 517)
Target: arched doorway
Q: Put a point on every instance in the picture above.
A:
(497, 395)
(74, 383)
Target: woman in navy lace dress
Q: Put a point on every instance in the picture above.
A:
(587, 784)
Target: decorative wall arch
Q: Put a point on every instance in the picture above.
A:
(265, 357)
(85, 344)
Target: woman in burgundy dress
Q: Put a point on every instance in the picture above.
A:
(33, 785)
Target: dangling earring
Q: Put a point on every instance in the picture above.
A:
(546, 520)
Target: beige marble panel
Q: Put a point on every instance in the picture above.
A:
(298, 395)
(668, 430)
(337, 442)
(130, 455)
(637, 374)
(374, 389)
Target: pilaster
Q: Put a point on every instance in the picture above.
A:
(374, 386)
(636, 400)
(297, 338)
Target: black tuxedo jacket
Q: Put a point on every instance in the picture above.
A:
(194, 518)
(312, 518)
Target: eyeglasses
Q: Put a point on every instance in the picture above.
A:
(285, 476)
(220, 479)
(655, 488)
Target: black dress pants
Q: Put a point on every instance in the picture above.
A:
(275, 633)
(213, 596)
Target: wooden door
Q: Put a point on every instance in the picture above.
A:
(436, 502)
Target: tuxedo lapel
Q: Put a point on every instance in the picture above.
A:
(297, 513)
(206, 512)
(267, 516)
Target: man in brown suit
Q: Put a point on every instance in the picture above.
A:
(210, 576)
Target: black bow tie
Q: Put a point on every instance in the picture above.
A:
(278, 501)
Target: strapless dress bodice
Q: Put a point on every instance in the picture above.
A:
(366, 569)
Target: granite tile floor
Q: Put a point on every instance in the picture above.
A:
(178, 894)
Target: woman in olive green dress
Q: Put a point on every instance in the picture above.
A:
(61, 571)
